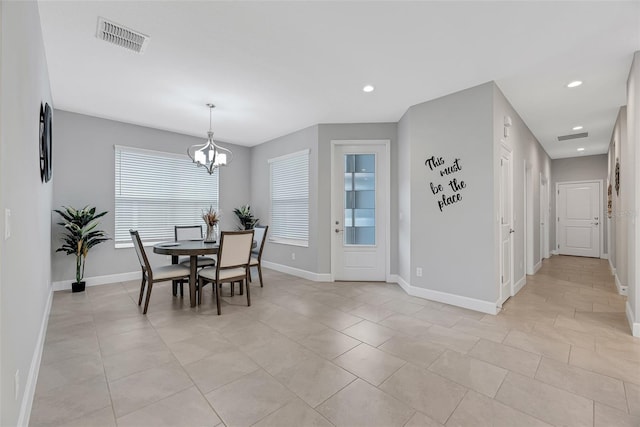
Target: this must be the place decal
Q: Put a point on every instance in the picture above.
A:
(449, 191)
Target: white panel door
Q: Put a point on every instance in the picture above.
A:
(579, 219)
(506, 225)
(359, 204)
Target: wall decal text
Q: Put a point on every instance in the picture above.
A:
(447, 193)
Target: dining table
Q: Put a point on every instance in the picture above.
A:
(192, 249)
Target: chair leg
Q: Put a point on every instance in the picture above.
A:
(248, 295)
(240, 285)
(250, 279)
(144, 280)
(181, 288)
(233, 286)
(174, 286)
(217, 295)
(146, 302)
(200, 285)
(260, 274)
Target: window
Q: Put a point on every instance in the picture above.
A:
(290, 199)
(156, 191)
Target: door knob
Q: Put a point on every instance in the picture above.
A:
(595, 223)
(337, 230)
(511, 230)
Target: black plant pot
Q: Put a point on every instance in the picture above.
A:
(77, 287)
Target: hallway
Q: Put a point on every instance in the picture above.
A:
(344, 354)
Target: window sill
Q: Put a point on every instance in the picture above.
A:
(130, 244)
(290, 242)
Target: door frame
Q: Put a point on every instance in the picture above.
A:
(528, 220)
(601, 231)
(501, 299)
(386, 182)
(544, 217)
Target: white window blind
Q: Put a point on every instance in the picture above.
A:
(290, 199)
(156, 191)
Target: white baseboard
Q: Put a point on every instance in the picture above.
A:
(622, 289)
(635, 326)
(452, 299)
(519, 285)
(393, 278)
(309, 275)
(604, 256)
(537, 267)
(554, 252)
(612, 268)
(99, 280)
(34, 369)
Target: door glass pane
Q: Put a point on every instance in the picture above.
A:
(359, 199)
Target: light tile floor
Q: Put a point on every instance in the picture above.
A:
(344, 354)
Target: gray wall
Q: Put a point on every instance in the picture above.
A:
(306, 257)
(631, 175)
(84, 171)
(453, 247)
(25, 269)
(580, 169)
(525, 150)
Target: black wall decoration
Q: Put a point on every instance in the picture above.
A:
(448, 193)
(45, 142)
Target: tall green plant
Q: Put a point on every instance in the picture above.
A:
(246, 218)
(80, 234)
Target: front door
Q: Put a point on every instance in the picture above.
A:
(506, 225)
(579, 219)
(359, 198)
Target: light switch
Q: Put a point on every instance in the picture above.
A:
(7, 223)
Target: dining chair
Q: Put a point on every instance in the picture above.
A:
(260, 236)
(232, 264)
(150, 276)
(190, 232)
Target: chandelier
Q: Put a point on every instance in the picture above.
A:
(210, 155)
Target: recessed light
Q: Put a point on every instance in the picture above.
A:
(577, 127)
(368, 88)
(574, 83)
(581, 149)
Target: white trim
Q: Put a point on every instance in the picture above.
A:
(309, 275)
(519, 285)
(601, 213)
(34, 369)
(64, 285)
(387, 184)
(537, 267)
(613, 269)
(451, 299)
(604, 256)
(555, 252)
(306, 151)
(635, 326)
(622, 289)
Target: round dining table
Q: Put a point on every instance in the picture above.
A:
(192, 249)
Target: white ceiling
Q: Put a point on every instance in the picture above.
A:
(276, 67)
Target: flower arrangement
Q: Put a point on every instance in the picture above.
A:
(210, 217)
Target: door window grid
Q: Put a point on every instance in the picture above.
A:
(359, 199)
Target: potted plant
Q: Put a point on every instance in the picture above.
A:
(211, 218)
(246, 218)
(79, 236)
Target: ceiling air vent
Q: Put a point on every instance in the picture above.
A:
(573, 136)
(121, 36)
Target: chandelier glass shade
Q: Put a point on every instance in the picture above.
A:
(210, 155)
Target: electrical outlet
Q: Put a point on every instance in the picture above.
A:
(419, 271)
(293, 256)
(16, 384)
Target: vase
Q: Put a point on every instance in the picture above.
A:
(212, 234)
(77, 287)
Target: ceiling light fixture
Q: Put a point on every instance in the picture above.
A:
(368, 88)
(576, 127)
(581, 149)
(210, 155)
(574, 83)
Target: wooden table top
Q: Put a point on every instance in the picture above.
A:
(186, 248)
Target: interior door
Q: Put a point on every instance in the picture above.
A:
(358, 203)
(506, 225)
(579, 219)
(544, 218)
